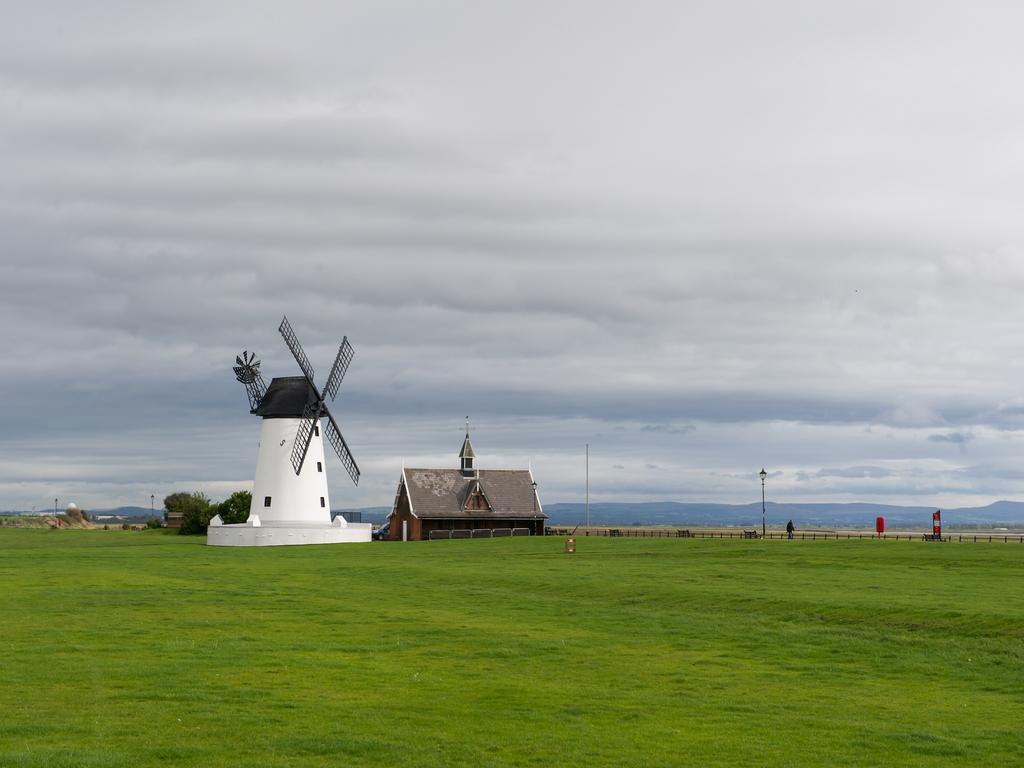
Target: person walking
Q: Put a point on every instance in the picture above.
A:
(789, 529)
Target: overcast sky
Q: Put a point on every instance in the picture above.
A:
(702, 237)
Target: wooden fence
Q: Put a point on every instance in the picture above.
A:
(477, 533)
(661, 533)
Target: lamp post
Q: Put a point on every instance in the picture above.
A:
(151, 505)
(533, 484)
(764, 528)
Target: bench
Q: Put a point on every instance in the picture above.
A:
(751, 535)
(684, 534)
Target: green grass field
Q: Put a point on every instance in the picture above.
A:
(137, 649)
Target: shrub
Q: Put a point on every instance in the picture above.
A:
(194, 510)
(174, 502)
(235, 508)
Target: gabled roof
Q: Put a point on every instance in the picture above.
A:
(467, 449)
(435, 493)
(472, 488)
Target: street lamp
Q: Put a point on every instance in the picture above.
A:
(763, 475)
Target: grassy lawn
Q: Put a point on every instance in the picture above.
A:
(134, 649)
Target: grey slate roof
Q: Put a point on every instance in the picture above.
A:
(443, 492)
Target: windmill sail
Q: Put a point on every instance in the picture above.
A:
(341, 448)
(341, 363)
(293, 344)
(304, 435)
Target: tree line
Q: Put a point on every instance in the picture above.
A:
(197, 510)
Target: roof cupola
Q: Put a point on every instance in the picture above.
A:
(466, 455)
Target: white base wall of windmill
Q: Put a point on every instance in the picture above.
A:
(288, 508)
(255, 534)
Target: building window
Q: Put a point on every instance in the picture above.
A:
(316, 430)
(319, 466)
(266, 501)
(322, 502)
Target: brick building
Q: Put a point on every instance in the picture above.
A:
(465, 502)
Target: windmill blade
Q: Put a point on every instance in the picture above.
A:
(255, 390)
(304, 435)
(341, 448)
(341, 363)
(293, 344)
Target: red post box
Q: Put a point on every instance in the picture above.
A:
(879, 526)
(937, 523)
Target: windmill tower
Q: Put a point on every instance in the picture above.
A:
(290, 500)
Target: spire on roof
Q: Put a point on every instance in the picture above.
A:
(466, 455)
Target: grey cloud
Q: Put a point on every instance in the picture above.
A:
(991, 471)
(865, 472)
(145, 70)
(956, 438)
(669, 429)
(322, 140)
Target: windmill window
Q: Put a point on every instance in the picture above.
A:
(316, 430)
(266, 501)
(319, 466)
(322, 502)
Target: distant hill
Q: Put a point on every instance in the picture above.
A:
(375, 515)
(142, 512)
(123, 512)
(673, 513)
(855, 515)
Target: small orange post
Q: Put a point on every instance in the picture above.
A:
(570, 546)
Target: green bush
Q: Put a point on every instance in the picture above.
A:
(195, 510)
(154, 522)
(173, 502)
(235, 508)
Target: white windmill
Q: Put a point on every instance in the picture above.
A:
(290, 501)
